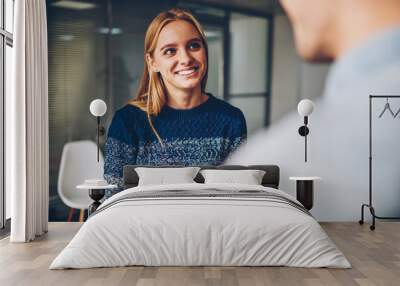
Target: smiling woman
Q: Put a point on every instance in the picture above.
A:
(173, 120)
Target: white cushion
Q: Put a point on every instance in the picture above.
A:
(165, 176)
(248, 177)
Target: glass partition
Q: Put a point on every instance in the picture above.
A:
(78, 73)
(249, 61)
(9, 16)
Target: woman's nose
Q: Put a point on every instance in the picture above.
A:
(184, 57)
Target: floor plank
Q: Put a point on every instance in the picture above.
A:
(375, 257)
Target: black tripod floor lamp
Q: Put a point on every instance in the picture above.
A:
(370, 205)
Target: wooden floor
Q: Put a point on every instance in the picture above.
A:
(375, 257)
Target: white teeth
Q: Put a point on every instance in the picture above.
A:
(186, 72)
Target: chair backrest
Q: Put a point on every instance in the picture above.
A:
(78, 163)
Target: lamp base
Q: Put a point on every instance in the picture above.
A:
(96, 195)
(303, 130)
(102, 130)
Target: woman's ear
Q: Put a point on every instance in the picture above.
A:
(151, 64)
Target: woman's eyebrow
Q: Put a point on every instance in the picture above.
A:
(168, 46)
(194, 40)
(174, 44)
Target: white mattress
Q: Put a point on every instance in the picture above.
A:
(200, 231)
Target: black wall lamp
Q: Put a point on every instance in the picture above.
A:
(305, 108)
(98, 108)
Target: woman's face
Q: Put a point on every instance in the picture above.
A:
(179, 56)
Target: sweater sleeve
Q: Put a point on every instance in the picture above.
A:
(239, 133)
(120, 150)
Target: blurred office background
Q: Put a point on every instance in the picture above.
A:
(96, 51)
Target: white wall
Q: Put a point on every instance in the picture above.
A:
(292, 78)
(285, 69)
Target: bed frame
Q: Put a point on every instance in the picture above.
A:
(270, 179)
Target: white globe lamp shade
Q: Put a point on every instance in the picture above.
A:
(305, 107)
(98, 107)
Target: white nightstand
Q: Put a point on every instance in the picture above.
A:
(305, 190)
(96, 193)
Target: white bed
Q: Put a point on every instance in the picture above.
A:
(185, 230)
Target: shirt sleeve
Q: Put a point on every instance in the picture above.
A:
(120, 150)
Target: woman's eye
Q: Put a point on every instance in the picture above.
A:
(169, 51)
(194, 46)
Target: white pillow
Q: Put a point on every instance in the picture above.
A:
(164, 176)
(248, 177)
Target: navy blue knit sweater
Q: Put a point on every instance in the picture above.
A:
(204, 135)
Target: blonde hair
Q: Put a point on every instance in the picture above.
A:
(151, 95)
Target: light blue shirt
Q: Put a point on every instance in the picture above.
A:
(338, 140)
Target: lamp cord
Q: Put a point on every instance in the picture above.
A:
(98, 137)
(305, 146)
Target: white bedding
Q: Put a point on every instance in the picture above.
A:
(200, 231)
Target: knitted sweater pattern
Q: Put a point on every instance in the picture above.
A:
(204, 135)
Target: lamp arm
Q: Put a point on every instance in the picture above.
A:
(98, 137)
(305, 148)
(305, 138)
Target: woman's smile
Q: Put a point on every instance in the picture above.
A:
(187, 72)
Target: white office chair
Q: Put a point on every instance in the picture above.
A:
(78, 163)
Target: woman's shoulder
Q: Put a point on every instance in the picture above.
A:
(126, 118)
(129, 113)
(223, 107)
(129, 110)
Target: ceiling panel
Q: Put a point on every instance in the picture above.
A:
(263, 6)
